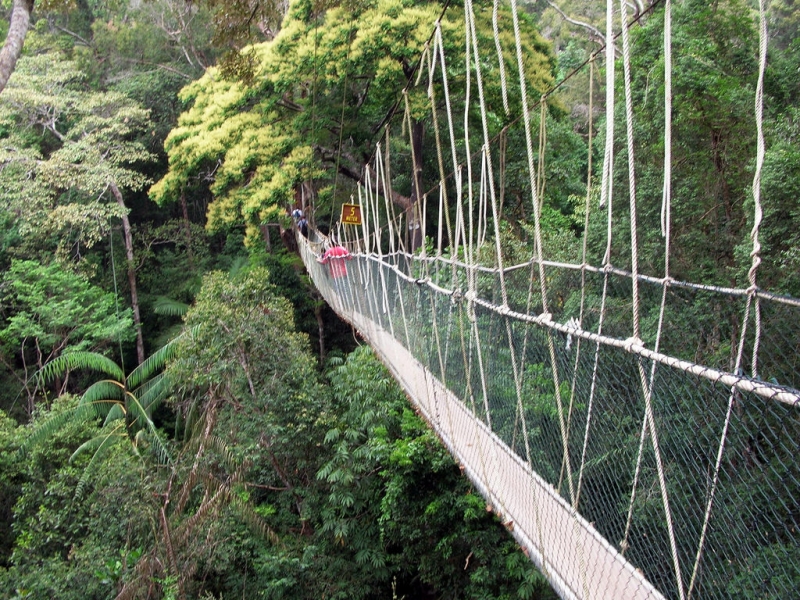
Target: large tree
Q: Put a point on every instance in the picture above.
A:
(68, 155)
(314, 105)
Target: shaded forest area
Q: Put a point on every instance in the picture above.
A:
(181, 415)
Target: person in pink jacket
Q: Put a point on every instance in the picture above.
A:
(335, 257)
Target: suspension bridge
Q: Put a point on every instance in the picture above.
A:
(627, 461)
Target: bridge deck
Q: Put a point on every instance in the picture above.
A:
(578, 562)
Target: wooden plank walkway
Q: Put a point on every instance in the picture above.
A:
(579, 563)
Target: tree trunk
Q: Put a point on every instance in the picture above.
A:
(188, 230)
(321, 328)
(17, 28)
(126, 228)
(413, 211)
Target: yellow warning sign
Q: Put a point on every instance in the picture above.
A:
(351, 214)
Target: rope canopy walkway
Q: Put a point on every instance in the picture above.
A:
(581, 395)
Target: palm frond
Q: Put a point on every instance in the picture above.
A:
(255, 521)
(237, 265)
(61, 365)
(101, 444)
(156, 361)
(215, 498)
(115, 413)
(153, 391)
(46, 429)
(105, 390)
(216, 443)
(192, 420)
(141, 420)
(156, 444)
(139, 417)
(169, 307)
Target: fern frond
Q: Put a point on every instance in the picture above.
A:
(61, 365)
(169, 307)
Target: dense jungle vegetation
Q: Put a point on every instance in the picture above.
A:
(181, 415)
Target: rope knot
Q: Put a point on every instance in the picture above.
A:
(633, 343)
(503, 309)
(546, 317)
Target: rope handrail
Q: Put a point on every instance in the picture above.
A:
(764, 389)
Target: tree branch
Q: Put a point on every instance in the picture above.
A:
(594, 32)
(358, 171)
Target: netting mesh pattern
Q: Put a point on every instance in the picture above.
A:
(698, 497)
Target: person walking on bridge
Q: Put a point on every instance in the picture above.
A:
(335, 258)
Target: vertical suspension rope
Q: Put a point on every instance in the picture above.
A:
(538, 241)
(665, 230)
(636, 334)
(758, 214)
(540, 179)
(607, 182)
(500, 61)
(584, 247)
(454, 239)
(444, 208)
(755, 255)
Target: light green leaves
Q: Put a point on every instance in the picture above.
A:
(64, 147)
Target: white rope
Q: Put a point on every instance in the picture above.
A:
(756, 258)
(500, 61)
(647, 392)
(584, 245)
(755, 254)
(454, 240)
(538, 240)
(665, 230)
(444, 209)
(666, 197)
(607, 183)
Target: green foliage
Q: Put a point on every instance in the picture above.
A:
(46, 310)
(51, 308)
(123, 405)
(399, 505)
(60, 543)
(10, 483)
(64, 147)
